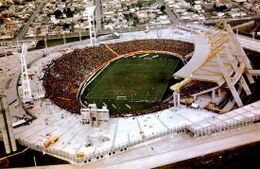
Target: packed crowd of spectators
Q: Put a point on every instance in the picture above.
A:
(196, 86)
(63, 76)
(179, 47)
(154, 108)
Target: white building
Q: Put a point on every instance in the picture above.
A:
(94, 116)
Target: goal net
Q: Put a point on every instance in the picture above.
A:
(120, 98)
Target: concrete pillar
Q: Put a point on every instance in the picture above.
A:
(80, 38)
(179, 100)
(46, 45)
(213, 95)
(174, 99)
(64, 38)
(6, 126)
(5, 107)
(229, 82)
(4, 132)
(45, 42)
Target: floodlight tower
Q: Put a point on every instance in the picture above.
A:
(89, 13)
(27, 93)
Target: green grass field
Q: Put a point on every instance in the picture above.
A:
(132, 83)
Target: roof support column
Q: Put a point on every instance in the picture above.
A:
(176, 100)
(213, 96)
(239, 70)
(229, 83)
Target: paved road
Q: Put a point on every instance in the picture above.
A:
(31, 19)
(169, 12)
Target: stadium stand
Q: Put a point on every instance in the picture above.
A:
(196, 86)
(64, 75)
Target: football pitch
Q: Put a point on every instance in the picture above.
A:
(132, 83)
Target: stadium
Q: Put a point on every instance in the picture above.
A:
(93, 102)
(139, 76)
(129, 84)
(134, 60)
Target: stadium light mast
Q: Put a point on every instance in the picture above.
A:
(27, 93)
(89, 13)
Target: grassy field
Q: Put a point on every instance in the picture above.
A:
(132, 83)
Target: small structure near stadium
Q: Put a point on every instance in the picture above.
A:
(94, 116)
